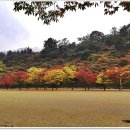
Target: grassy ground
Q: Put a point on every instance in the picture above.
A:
(64, 108)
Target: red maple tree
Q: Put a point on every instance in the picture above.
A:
(86, 77)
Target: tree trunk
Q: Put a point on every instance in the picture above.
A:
(85, 88)
(72, 88)
(27, 88)
(88, 88)
(120, 88)
(104, 87)
(36, 88)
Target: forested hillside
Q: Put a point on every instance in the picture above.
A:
(96, 51)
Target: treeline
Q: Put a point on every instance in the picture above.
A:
(96, 50)
(16, 58)
(67, 76)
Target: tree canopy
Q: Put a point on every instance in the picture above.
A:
(2, 67)
(51, 11)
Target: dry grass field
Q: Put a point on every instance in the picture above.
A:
(64, 108)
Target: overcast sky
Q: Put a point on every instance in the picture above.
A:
(18, 30)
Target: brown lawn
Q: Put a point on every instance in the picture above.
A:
(64, 108)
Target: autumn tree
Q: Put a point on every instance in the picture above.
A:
(86, 77)
(69, 74)
(20, 78)
(2, 67)
(1, 83)
(54, 77)
(35, 76)
(103, 80)
(116, 75)
(126, 76)
(7, 81)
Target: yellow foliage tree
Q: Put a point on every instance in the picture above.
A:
(54, 77)
(102, 79)
(36, 76)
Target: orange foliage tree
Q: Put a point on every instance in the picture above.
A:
(117, 75)
(86, 77)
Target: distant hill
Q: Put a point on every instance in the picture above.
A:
(96, 50)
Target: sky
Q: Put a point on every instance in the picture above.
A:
(18, 30)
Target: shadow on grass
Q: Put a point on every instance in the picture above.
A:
(5, 124)
(126, 121)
